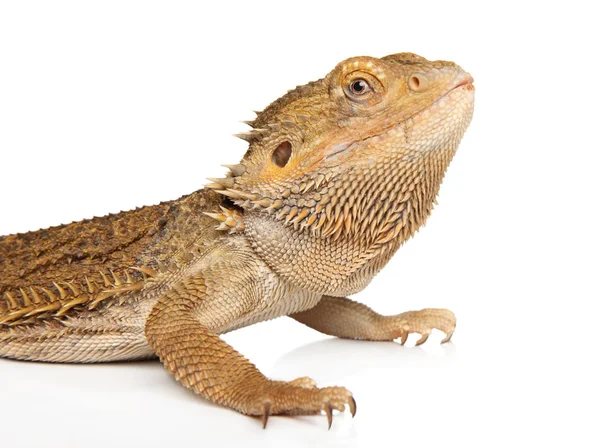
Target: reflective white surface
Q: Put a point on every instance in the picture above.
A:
(108, 106)
(468, 392)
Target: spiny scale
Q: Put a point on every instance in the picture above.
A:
(225, 182)
(254, 135)
(66, 296)
(236, 170)
(331, 206)
(231, 220)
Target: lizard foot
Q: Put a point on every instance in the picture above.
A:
(422, 322)
(300, 397)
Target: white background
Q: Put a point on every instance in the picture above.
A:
(109, 105)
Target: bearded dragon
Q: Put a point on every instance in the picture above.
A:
(339, 173)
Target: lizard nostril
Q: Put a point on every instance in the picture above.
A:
(416, 83)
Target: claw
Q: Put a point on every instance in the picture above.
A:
(352, 406)
(448, 337)
(329, 413)
(423, 339)
(265, 416)
(404, 338)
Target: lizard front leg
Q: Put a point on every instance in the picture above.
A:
(344, 318)
(179, 331)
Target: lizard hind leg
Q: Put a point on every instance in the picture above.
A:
(344, 318)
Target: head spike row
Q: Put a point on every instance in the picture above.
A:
(220, 183)
(249, 137)
(253, 135)
(231, 220)
(236, 170)
(263, 132)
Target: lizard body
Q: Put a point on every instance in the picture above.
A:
(338, 174)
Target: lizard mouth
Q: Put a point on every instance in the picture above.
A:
(465, 82)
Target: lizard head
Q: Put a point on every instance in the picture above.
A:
(361, 150)
(349, 165)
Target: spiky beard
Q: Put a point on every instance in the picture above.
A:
(331, 233)
(371, 202)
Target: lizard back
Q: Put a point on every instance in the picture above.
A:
(53, 272)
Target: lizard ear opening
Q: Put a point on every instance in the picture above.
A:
(282, 154)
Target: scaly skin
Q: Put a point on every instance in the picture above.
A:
(338, 174)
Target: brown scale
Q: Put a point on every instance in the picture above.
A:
(36, 303)
(58, 271)
(86, 247)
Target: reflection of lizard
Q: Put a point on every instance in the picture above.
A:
(339, 173)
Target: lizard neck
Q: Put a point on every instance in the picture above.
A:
(376, 208)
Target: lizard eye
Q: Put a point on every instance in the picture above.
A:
(363, 88)
(282, 154)
(359, 87)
